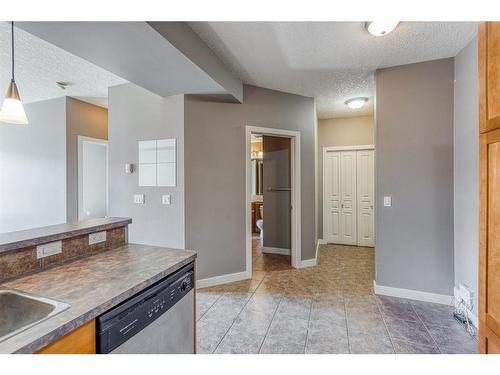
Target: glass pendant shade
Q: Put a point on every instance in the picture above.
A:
(12, 111)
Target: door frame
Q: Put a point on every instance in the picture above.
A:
(99, 141)
(346, 148)
(296, 223)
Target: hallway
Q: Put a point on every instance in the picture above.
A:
(329, 308)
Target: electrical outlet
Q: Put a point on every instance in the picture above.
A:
(97, 237)
(48, 249)
(139, 198)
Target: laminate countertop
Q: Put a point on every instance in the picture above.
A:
(92, 286)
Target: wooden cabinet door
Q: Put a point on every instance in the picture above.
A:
(489, 220)
(489, 343)
(80, 341)
(489, 256)
(489, 76)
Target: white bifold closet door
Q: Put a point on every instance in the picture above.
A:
(348, 197)
(348, 202)
(331, 198)
(365, 186)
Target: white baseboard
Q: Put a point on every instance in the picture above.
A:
(222, 279)
(307, 263)
(321, 241)
(412, 294)
(275, 250)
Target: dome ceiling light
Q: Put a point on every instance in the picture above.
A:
(356, 103)
(380, 28)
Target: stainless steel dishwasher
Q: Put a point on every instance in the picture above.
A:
(160, 319)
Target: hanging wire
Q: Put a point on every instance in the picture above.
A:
(12, 36)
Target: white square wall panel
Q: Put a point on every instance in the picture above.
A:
(147, 174)
(157, 162)
(166, 150)
(147, 152)
(166, 174)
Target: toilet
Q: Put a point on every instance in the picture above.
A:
(260, 223)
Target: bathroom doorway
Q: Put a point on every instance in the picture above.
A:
(272, 199)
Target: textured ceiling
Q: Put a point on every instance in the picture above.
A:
(40, 64)
(331, 61)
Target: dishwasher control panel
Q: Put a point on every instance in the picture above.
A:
(125, 320)
(164, 300)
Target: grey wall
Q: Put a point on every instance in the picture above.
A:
(215, 173)
(85, 119)
(466, 168)
(137, 114)
(33, 168)
(414, 165)
(348, 131)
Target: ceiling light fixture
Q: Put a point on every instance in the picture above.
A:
(12, 111)
(356, 103)
(377, 28)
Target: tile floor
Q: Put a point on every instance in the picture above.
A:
(329, 308)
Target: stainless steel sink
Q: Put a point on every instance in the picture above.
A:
(20, 311)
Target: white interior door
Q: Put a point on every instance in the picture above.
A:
(92, 178)
(365, 186)
(331, 197)
(348, 233)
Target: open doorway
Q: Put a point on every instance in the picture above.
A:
(92, 178)
(272, 199)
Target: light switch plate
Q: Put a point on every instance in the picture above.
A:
(387, 201)
(97, 237)
(166, 199)
(139, 198)
(48, 249)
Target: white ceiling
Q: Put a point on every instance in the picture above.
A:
(331, 61)
(40, 64)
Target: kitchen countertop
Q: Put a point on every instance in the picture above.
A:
(92, 286)
(33, 237)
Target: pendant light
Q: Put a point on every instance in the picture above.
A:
(12, 111)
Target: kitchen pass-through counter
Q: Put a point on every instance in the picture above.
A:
(91, 283)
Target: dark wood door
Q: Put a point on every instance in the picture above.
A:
(277, 192)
